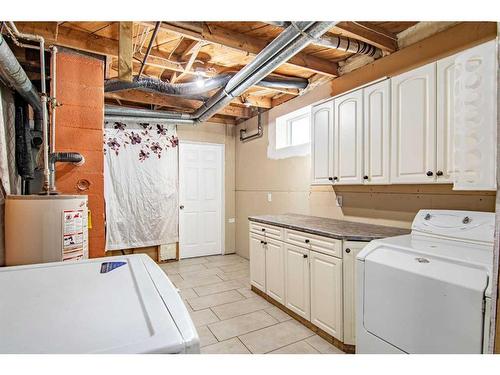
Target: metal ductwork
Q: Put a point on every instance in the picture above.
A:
(340, 43)
(112, 112)
(290, 42)
(196, 89)
(15, 76)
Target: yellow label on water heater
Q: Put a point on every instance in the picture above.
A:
(89, 220)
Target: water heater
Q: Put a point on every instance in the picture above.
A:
(45, 228)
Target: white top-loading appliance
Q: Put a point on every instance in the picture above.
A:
(122, 304)
(429, 291)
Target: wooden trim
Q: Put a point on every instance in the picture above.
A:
(455, 39)
(349, 349)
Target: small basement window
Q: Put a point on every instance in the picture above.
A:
(294, 128)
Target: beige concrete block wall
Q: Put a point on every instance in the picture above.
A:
(221, 134)
(288, 181)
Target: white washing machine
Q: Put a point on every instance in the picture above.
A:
(429, 291)
(120, 304)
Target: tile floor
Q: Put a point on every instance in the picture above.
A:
(230, 318)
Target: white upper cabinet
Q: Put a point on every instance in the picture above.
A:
(377, 137)
(413, 151)
(466, 118)
(322, 143)
(444, 124)
(348, 135)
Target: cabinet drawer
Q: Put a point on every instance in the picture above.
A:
(325, 245)
(268, 230)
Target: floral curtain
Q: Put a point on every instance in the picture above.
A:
(140, 184)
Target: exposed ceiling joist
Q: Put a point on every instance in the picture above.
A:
(245, 43)
(371, 34)
(125, 51)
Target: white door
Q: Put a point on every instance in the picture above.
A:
(377, 128)
(275, 270)
(326, 294)
(257, 262)
(351, 250)
(413, 133)
(322, 143)
(444, 124)
(297, 280)
(348, 149)
(200, 199)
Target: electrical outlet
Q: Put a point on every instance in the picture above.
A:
(231, 220)
(269, 197)
(338, 200)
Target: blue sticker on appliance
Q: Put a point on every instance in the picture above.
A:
(110, 266)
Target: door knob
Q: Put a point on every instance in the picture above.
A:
(429, 173)
(181, 207)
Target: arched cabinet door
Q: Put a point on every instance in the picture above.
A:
(413, 130)
(322, 143)
(348, 134)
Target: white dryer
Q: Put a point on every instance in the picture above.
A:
(429, 291)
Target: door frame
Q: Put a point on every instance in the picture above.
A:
(222, 146)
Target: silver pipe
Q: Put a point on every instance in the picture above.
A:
(53, 101)
(153, 118)
(260, 130)
(225, 96)
(118, 111)
(15, 76)
(340, 43)
(148, 51)
(43, 97)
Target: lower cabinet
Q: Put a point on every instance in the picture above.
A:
(275, 270)
(350, 251)
(297, 280)
(257, 262)
(315, 282)
(326, 294)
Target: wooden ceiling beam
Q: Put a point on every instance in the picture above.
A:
(371, 34)
(247, 44)
(125, 51)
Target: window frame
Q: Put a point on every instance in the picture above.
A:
(287, 121)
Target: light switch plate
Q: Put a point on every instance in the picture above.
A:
(231, 220)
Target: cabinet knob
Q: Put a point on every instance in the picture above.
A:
(330, 178)
(365, 177)
(304, 256)
(439, 173)
(261, 241)
(335, 178)
(306, 241)
(181, 207)
(429, 173)
(263, 229)
(347, 250)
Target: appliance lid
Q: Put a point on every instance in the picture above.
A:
(106, 305)
(466, 226)
(423, 304)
